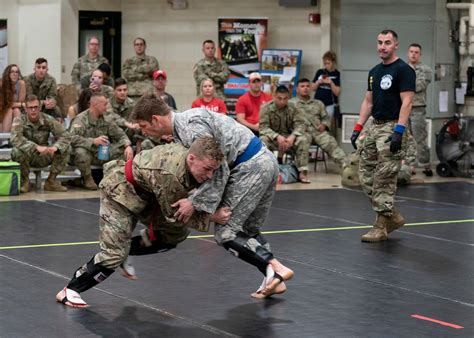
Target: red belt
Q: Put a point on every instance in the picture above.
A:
(130, 179)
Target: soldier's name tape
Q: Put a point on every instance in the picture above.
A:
(264, 232)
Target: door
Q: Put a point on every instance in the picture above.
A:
(107, 26)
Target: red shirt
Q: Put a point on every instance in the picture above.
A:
(250, 106)
(216, 105)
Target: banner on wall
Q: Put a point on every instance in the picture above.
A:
(280, 67)
(3, 45)
(241, 42)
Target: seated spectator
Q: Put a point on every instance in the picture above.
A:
(159, 85)
(43, 85)
(13, 90)
(106, 73)
(248, 105)
(282, 128)
(121, 107)
(208, 99)
(89, 130)
(317, 122)
(30, 140)
(81, 104)
(120, 103)
(97, 84)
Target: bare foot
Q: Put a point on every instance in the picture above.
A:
(280, 288)
(283, 271)
(71, 298)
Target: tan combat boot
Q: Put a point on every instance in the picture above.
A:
(89, 183)
(25, 181)
(25, 185)
(395, 222)
(52, 184)
(378, 233)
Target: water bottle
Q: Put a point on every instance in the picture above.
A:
(104, 152)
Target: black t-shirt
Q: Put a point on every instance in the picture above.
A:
(386, 82)
(324, 92)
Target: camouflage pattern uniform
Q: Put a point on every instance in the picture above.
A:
(83, 131)
(315, 114)
(247, 189)
(216, 70)
(123, 109)
(26, 135)
(44, 89)
(285, 122)
(163, 178)
(138, 72)
(418, 114)
(84, 67)
(107, 91)
(379, 167)
(350, 173)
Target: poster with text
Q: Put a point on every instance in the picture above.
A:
(241, 41)
(280, 67)
(3, 45)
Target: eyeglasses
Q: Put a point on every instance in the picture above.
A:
(256, 80)
(32, 107)
(15, 71)
(139, 44)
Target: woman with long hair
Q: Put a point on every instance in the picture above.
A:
(13, 90)
(208, 100)
(81, 104)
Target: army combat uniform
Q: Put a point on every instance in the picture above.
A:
(142, 189)
(350, 173)
(247, 189)
(216, 70)
(138, 72)
(83, 130)
(84, 67)
(44, 89)
(379, 166)
(285, 122)
(26, 136)
(315, 114)
(418, 114)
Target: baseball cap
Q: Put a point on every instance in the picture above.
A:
(254, 76)
(158, 73)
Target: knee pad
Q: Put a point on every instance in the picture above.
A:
(259, 259)
(139, 249)
(88, 276)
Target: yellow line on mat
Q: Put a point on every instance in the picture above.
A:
(265, 232)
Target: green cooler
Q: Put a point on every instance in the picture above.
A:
(9, 178)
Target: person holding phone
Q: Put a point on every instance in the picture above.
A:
(327, 85)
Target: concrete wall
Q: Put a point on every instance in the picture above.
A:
(49, 28)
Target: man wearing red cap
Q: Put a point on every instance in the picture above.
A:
(248, 105)
(159, 84)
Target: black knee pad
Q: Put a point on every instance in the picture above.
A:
(137, 249)
(258, 259)
(88, 276)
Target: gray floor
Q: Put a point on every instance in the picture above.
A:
(342, 287)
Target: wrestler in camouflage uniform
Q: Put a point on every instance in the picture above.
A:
(142, 189)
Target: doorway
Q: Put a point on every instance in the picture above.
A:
(107, 26)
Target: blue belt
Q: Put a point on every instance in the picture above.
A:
(253, 148)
